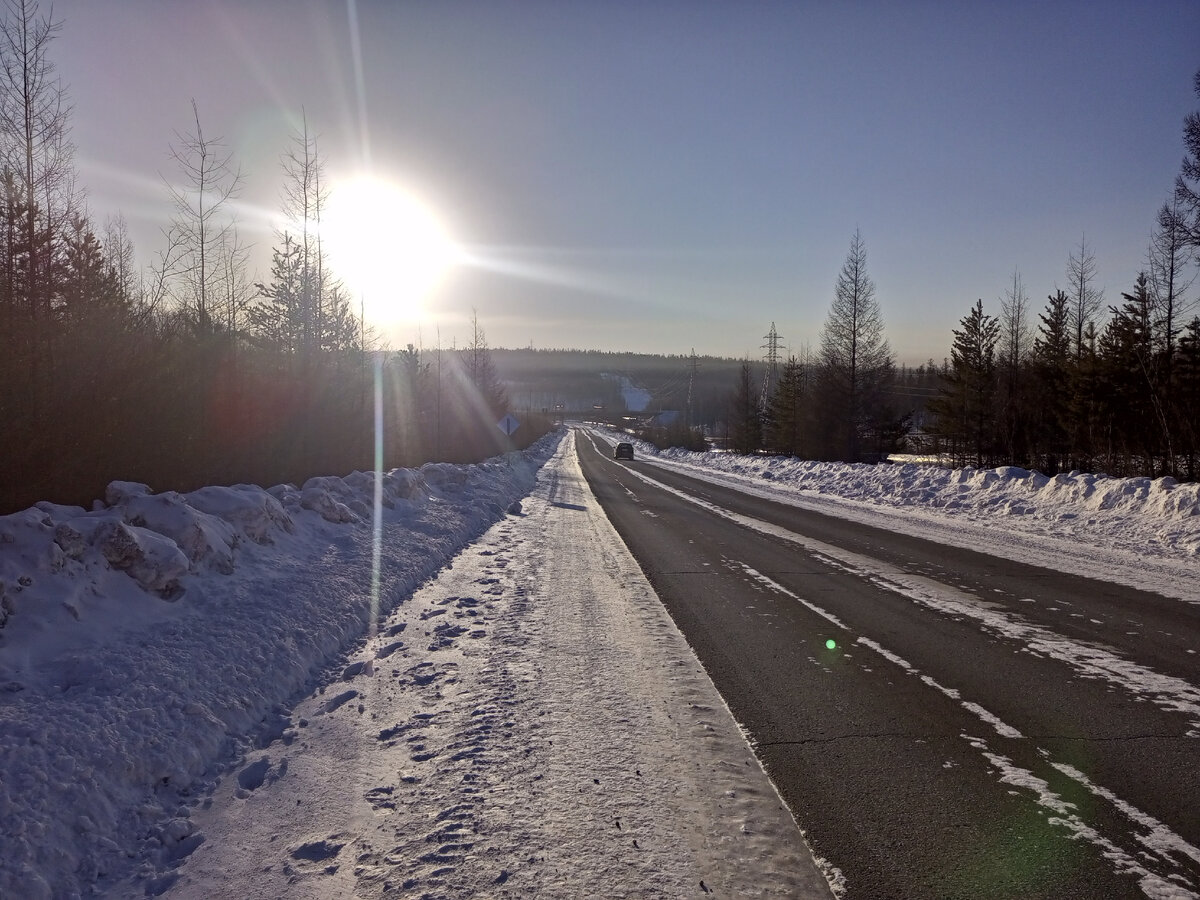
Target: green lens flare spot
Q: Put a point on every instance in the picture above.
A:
(831, 644)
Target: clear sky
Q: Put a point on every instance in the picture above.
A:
(662, 176)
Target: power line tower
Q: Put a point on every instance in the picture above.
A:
(693, 368)
(771, 378)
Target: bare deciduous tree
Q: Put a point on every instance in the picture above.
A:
(1187, 183)
(303, 202)
(1170, 276)
(1086, 298)
(1015, 345)
(203, 232)
(37, 159)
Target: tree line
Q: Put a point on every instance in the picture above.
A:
(194, 371)
(1086, 386)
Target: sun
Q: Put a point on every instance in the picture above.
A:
(388, 248)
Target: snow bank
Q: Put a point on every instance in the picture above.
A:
(140, 641)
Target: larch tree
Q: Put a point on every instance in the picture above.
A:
(38, 177)
(203, 232)
(1086, 298)
(303, 203)
(855, 360)
(1014, 349)
(481, 370)
(1187, 183)
(1170, 277)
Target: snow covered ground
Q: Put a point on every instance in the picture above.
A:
(174, 673)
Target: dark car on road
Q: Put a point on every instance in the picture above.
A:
(624, 451)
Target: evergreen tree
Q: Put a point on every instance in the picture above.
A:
(1052, 366)
(786, 410)
(279, 318)
(856, 367)
(745, 423)
(1187, 397)
(1084, 421)
(1128, 397)
(966, 405)
(89, 294)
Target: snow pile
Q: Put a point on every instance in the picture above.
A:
(138, 640)
(1141, 515)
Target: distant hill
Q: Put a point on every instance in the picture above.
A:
(590, 383)
(596, 384)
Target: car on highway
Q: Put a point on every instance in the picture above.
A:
(624, 450)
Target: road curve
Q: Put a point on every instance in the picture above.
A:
(943, 723)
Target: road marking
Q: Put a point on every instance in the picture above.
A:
(1169, 693)
(1090, 661)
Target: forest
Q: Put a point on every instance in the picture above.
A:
(194, 371)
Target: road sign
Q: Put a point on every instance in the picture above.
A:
(508, 425)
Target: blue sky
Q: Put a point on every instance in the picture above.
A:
(658, 176)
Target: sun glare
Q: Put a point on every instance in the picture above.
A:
(388, 248)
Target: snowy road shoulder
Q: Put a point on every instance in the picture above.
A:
(529, 723)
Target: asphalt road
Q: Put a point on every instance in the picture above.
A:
(942, 723)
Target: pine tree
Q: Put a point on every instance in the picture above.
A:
(966, 405)
(278, 320)
(1187, 370)
(787, 408)
(1052, 365)
(745, 431)
(1128, 397)
(89, 294)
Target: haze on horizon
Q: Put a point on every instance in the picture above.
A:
(657, 177)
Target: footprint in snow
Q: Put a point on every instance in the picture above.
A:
(334, 702)
(362, 667)
(389, 649)
(319, 850)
